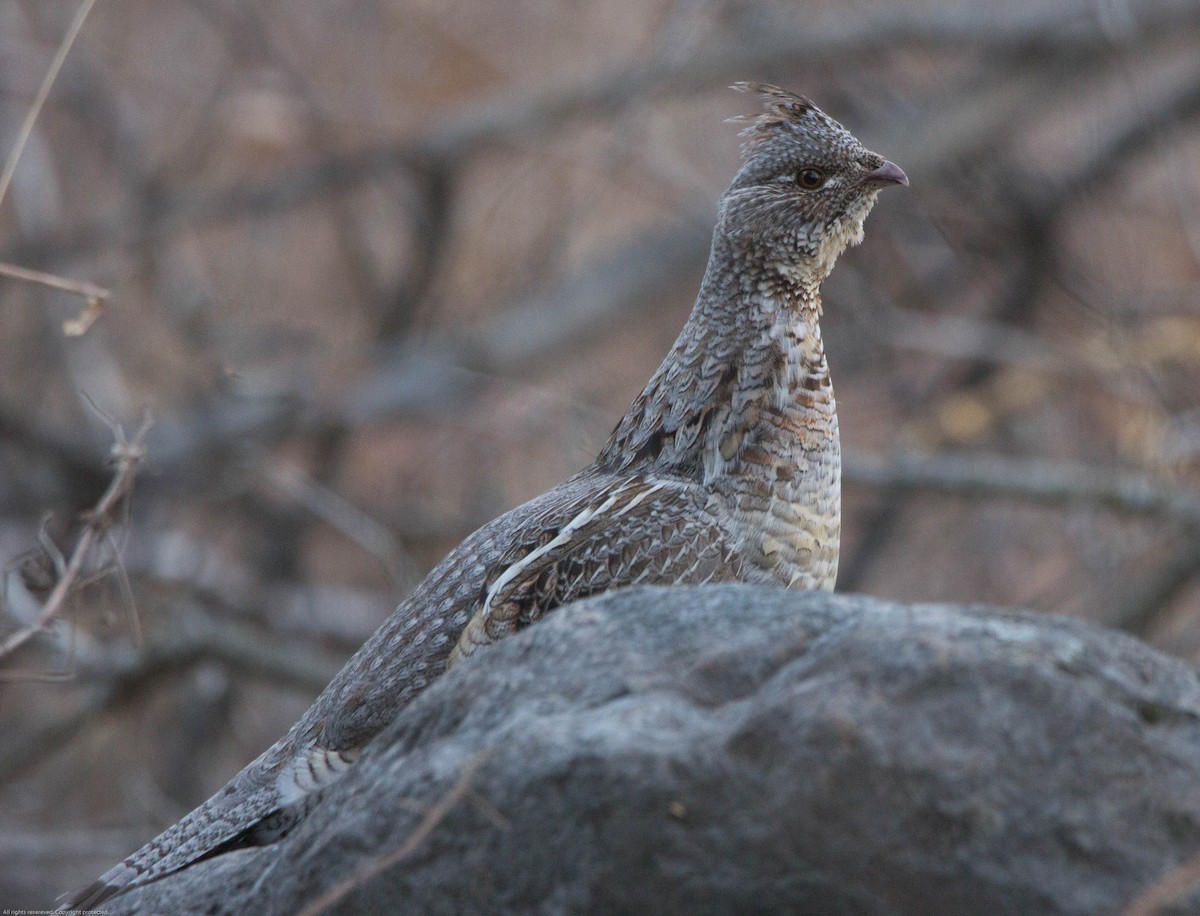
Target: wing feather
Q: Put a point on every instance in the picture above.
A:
(632, 531)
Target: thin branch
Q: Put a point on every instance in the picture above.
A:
(502, 116)
(122, 674)
(89, 291)
(43, 93)
(246, 650)
(97, 522)
(1048, 482)
(337, 511)
(423, 376)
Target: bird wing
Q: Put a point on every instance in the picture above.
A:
(634, 530)
(245, 800)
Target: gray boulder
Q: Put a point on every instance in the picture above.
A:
(745, 750)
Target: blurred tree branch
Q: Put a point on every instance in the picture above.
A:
(119, 674)
(64, 48)
(1047, 482)
(97, 523)
(522, 115)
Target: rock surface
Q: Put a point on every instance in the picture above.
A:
(739, 750)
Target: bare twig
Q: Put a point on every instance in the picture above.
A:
(43, 92)
(1052, 483)
(501, 117)
(96, 296)
(128, 455)
(433, 817)
(121, 674)
(334, 509)
(426, 376)
(79, 325)
(89, 291)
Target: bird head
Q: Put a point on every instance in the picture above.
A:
(804, 190)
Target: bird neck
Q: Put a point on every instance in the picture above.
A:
(746, 383)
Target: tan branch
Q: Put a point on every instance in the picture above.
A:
(97, 523)
(64, 48)
(1049, 482)
(89, 291)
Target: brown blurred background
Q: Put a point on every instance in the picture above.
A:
(382, 270)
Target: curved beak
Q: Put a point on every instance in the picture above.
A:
(888, 173)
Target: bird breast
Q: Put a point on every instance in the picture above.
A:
(775, 458)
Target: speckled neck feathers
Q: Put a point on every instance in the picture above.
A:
(743, 405)
(751, 346)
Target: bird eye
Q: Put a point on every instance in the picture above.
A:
(810, 179)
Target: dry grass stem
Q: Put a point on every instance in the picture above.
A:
(43, 93)
(128, 454)
(96, 295)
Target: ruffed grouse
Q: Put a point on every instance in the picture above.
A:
(726, 468)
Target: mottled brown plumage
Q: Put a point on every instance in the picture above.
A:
(726, 468)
